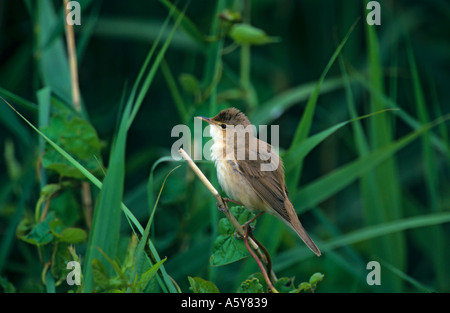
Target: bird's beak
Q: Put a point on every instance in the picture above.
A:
(206, 119)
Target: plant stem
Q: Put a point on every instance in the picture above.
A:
(72, 60)
(221, 203)
(258, 261)
(223, 207)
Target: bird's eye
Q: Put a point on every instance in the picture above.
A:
(223, 126)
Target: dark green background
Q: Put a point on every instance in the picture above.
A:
(113, 41)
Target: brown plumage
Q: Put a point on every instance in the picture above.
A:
(239, 168)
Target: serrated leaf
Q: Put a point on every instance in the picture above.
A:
(40, 234)
(78, 138)
(316, 278)
(305, 287)
(251, 285)
(311, 285)
(200, 285)
(227, 248)
(284, 284)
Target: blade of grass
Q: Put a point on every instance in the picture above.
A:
(304, 125)
(148, 80)
(44, 97)
(381, 189)
(146, 62)
(150, 179)
(328, 185)
(104, 234)
(52, 61)
(436, 235)
(437, 142)
(11, 123)
(367, 182)
(291, 156)
(214, 58)
(140, 256)
(22, 102)
(300, 253)
(421, 287)
(187, 25)
(275, 107)
(175, 92)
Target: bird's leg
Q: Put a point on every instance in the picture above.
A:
(254, 218)
(247, 224)
(222, 205)
(231, 200)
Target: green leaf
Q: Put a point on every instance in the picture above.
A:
(73, 235)
(56, 227)
(315, 279)
(100, 275)
(199, 285)
(78, 138)
(66, 204)
(227, 248)
(40, 234)
(149, 274)
(189, 83)
(249, 35)
(305, 287)
(60, 257)
(284, 284)
(251, 285)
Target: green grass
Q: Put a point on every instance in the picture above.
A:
(364, 135)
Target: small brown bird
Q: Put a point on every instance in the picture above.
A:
(250, 172)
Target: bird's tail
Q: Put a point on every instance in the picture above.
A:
(295, 224)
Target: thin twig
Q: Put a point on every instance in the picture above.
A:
(221, 204)
(258, 261)
(87, 203)
(70, 37)
(248, 240)
(71, 52)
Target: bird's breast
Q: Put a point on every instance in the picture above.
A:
(236, 186)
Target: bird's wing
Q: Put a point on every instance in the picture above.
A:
(269, 184)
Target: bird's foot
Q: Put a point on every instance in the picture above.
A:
(231, 200)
